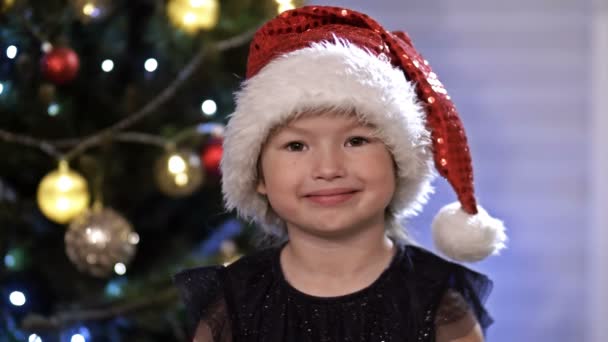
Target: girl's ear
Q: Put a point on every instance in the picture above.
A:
(261, 187)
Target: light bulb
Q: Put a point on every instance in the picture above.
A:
(120, 268)
(11, 51)
(107, 65)
(151, 64)
(209, 107)
(17, 298)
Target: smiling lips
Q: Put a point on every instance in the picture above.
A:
(331, 196)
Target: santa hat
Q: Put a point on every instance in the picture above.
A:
(329, 57)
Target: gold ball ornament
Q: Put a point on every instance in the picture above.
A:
(194, 15)
(101, 241)
(179, 173)
(63, 194)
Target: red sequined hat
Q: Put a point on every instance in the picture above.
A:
(330, 57)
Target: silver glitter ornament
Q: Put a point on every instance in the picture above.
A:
(100, 241)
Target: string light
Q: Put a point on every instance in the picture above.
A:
(77, 338)
(283, 8)
(134, 238)
(114, 288)
(46, 47)
(53, 109)
(90, 10)
(9, 261)
(76, 334)
(15, 259)
(209, 107)
(193, 15)
(120, 268)
(285, 5)
(11, 51)
(151, 64)
(1, 88)
(34, 338)
(80, 334)
(176, 164)
(212, 128)
(107, 65)
(17, 298)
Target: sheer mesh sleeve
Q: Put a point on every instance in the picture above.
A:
(202, 293)
(454, 318)
(461, 311)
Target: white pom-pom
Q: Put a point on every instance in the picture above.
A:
(467, 238)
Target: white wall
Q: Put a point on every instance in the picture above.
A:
(598, 239)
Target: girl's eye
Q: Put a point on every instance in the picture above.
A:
(294, 146)
(358, 141)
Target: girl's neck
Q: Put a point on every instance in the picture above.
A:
(332, 268)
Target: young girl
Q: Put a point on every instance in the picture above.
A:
(333, 141)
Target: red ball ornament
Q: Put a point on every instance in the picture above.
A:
(60, 65)
(212, 155)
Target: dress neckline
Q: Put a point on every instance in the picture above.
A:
(278, 269)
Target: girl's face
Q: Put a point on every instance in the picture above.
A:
(327, 175)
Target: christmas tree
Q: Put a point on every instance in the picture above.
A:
(111, 121)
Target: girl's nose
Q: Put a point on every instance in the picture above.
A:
(328, 163)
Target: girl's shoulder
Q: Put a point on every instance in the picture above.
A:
(200, 289)
(215, 275)
(452, 288)
(431, 268)
(201, 286)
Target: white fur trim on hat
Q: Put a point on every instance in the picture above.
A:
(328, 74)
(465, 237)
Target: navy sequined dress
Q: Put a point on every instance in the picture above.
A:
(250, 300)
